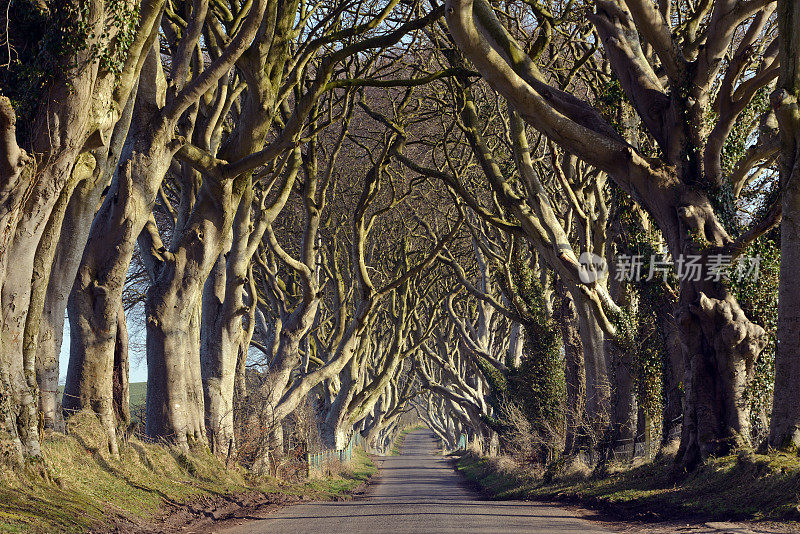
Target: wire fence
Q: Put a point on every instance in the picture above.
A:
(317, 460)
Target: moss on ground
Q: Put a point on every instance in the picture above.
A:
(746, 486)
(77, 485)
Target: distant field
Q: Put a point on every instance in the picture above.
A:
(138, 392)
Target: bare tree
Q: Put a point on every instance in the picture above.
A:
(72, 143)
(670, 88)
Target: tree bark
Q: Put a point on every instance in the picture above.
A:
(68, 115)
(625, 410)
(720, 348)
(74, 233)
(120, 387)
(47, 368)
(574, 374)
(175, 406)
(672, 379)
(620, 354)
(96, 297)
(75, 119)
(598, 387)
(785, 424)
(217, 363)
(128, 206)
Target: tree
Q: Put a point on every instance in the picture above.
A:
(785, 423)
(78, 70)
(670, 89)
(167, 107)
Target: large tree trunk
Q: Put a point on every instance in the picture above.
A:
(18, 430)
(20, 295)
(720, 348)
(173, 301)
(671, 385)
(74, 232)
(29, 192)
(27, 274)
(97, 294)
(785, 424)
(598, 388)
(218, 362)
(620, 355)
(47, 368)
(625, 407)
(721, 344)
(76, 118)
(176, 393)
(128, 207)
(574, 374)
(174, 402)
(225, 338)
(337, 427)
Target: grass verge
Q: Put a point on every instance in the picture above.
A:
(78, 486)
(746, 486)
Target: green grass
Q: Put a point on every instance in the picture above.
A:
(746, 486)
(358, 471)
(78, 486)
(138, 393)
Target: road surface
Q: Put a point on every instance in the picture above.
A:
(419, 492)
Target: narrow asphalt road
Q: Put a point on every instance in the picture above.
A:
(418, 492)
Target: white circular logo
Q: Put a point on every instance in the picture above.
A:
(593, 267)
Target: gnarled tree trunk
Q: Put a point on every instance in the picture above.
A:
(574, 374)
(785, 424)
(74, 232)
(175, 393)
(97, 294)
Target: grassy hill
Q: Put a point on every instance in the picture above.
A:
(78, 487)
(744, 486)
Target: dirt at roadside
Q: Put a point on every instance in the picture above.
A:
(201, 514)
(617, 522)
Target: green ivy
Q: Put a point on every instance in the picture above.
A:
(640, 330)
(537, 386)
(46, 40)
(759, 300)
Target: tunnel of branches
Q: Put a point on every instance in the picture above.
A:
(546, 229)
